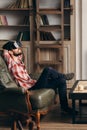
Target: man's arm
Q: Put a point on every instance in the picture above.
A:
(6, 55)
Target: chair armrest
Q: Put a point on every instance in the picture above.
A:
(14, 99)
(18, 92)
(14, 90)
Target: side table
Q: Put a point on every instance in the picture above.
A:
(78, 92)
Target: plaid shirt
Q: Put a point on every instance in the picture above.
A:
(18, 71)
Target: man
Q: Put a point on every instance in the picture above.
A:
(49, 78)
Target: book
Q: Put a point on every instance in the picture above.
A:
(0, 22)
(23, 36)
(25, 5)
(44, 21)
(3, 20)
(26, 36)
(26, 20)
(10, 5)
(19, 4)
(19, 36)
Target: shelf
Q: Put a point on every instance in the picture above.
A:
(49, 62)
(67, 8)
(49, 11)
(55, 46)
(14, 25)
(16, 9)
(58, 42)
(47, 28)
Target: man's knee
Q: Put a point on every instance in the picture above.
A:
(46, 69)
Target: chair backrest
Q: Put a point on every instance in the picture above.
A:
(6, 80)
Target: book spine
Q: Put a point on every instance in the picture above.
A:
(48, 35)
(3, 20)
(19, 36)
(25, 4)
(22, 4)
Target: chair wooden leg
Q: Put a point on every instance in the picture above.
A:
(19, 125)
(38, 120)
(14, 127)
(31, 126)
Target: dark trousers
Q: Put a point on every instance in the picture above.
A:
(50, 78)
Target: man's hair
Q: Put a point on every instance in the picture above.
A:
(10, 45)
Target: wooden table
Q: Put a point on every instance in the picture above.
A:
(78, 92)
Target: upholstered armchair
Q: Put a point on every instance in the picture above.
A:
(22, 107)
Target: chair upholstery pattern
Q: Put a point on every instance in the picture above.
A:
(5, 77)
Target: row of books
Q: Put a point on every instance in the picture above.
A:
(45, 35)
(23, 36)
(3, 20)
(45, 21)
(19, 4)
(66, 3)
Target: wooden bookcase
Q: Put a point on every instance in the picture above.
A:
(19, 25)
(54, 36)
(50, 36)
(48, 49)
(51, 32)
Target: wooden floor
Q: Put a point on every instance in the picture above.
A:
(54, 120)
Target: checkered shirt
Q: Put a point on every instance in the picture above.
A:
(19, 72)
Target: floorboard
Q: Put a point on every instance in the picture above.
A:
(54, 120)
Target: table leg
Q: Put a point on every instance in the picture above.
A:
(73, 107)
(80, 109)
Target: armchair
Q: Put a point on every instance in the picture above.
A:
(22, 106)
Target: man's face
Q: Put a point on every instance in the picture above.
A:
(17, 52)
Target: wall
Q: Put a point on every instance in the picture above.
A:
(81, 39)
(78, 22)
(84, 39)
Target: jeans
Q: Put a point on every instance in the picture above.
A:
(50, 78)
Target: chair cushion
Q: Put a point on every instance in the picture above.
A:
(42, 98)
(5, 78)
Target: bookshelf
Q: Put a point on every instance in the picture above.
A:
(48, 48)
(16, 23)
(46, 29)
(54, 40)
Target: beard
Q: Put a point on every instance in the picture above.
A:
(17, 54)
